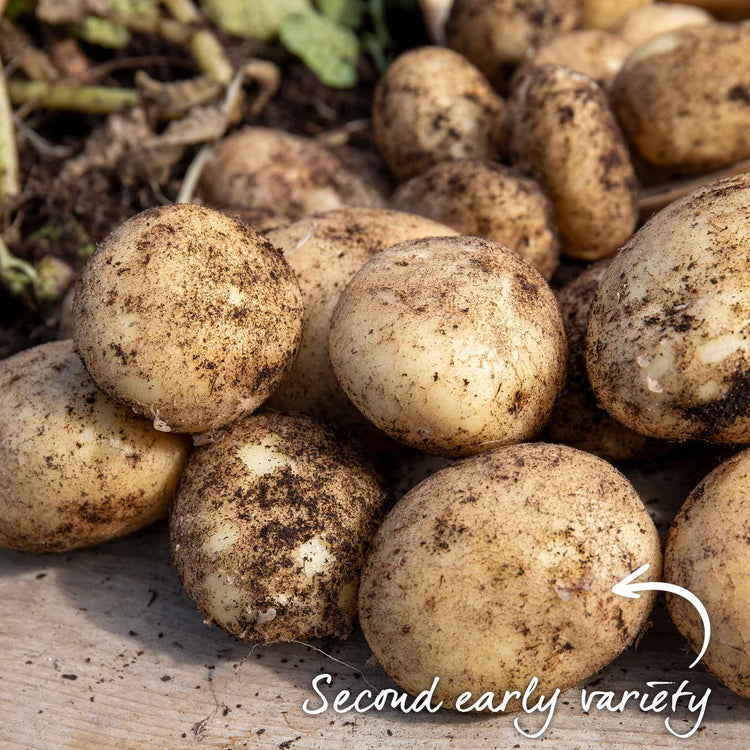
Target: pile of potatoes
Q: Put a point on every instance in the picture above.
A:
(250, 383)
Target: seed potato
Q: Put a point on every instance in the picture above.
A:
(708, 553)
(452, 345)
(325, 251)
(577, 419)
(188, 316)
(270, 526)
(486, 199)
(432, 105)
(76, 467)
(684, 98)
(513, 555)
(604, 14)
(668, 343)
(563, 132)
(647, 21)
(496, 35)
(262, 168)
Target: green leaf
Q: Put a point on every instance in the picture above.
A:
(254, 19)
(346, 12)
(17, 8)
(329, 50)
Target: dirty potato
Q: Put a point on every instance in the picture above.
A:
(270, 526)
(563, 131)
(708, 554)
(647, 21)
(453, 345)
(668, 344)
(684, 98)
(488, 200)
(188, 316)
(432, 105)
(76, 467)
(513, 555)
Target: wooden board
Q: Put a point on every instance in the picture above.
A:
(102, 649)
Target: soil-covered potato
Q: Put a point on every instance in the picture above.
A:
(432, 105)
(262, 168)
(668, 343)
(708, 553)
(496, 35)
(489, 200)
(76, 467)
(261, 220)
(647, 21)
(453, 345)
(604, 14)
(270, 526)
(595, 53)
(188, 316)
(510, 555)
(563, 131)
(684, 98)
(325, 251)
(577, 419)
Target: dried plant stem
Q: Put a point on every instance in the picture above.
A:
(90, 100)
(9, 177)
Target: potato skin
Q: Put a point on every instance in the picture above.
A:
(668, 343)
(76, 467)
(604, 14)
(270, 526)
(727, 10)
(684, 98)
(577, 419)
(486, 199)
(500, 568)
(188, 316)
(432, 105)
(708, 553)
(647, 21)
(496, 35)
(452, 345)
(267, 169)
(325, 251)
(563, 132)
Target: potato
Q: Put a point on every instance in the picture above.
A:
(563, 132)
(500, 568)
(668, 343)
(453, 345)
(684, 98)
(261, 220)
(496, 35)
(262, 168)
(325, 251)
(487, 200)
(270, 526)
(592, 52)
(76, 468)
(604, 14)
(729, 10)
(708, 553)
(432, 105)
(188, 316)
(647, 21)
(577, 419)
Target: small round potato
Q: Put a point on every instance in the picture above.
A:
(488, 200)
(270, 526)
(647, 21)
(496, 35)
(577, 419)
(595, 53)
(668, 344)
(261, 168)
(708, 554)
(727, 10)
(189, 316)
(432, 105)
(500, 568)
(76, 467)
(605, 14)
(563, 131)
(684, 98)
(453, 345)
(325, 251)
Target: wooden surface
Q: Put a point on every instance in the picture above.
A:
(101, 649)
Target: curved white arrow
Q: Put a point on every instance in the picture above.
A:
(627, 587)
